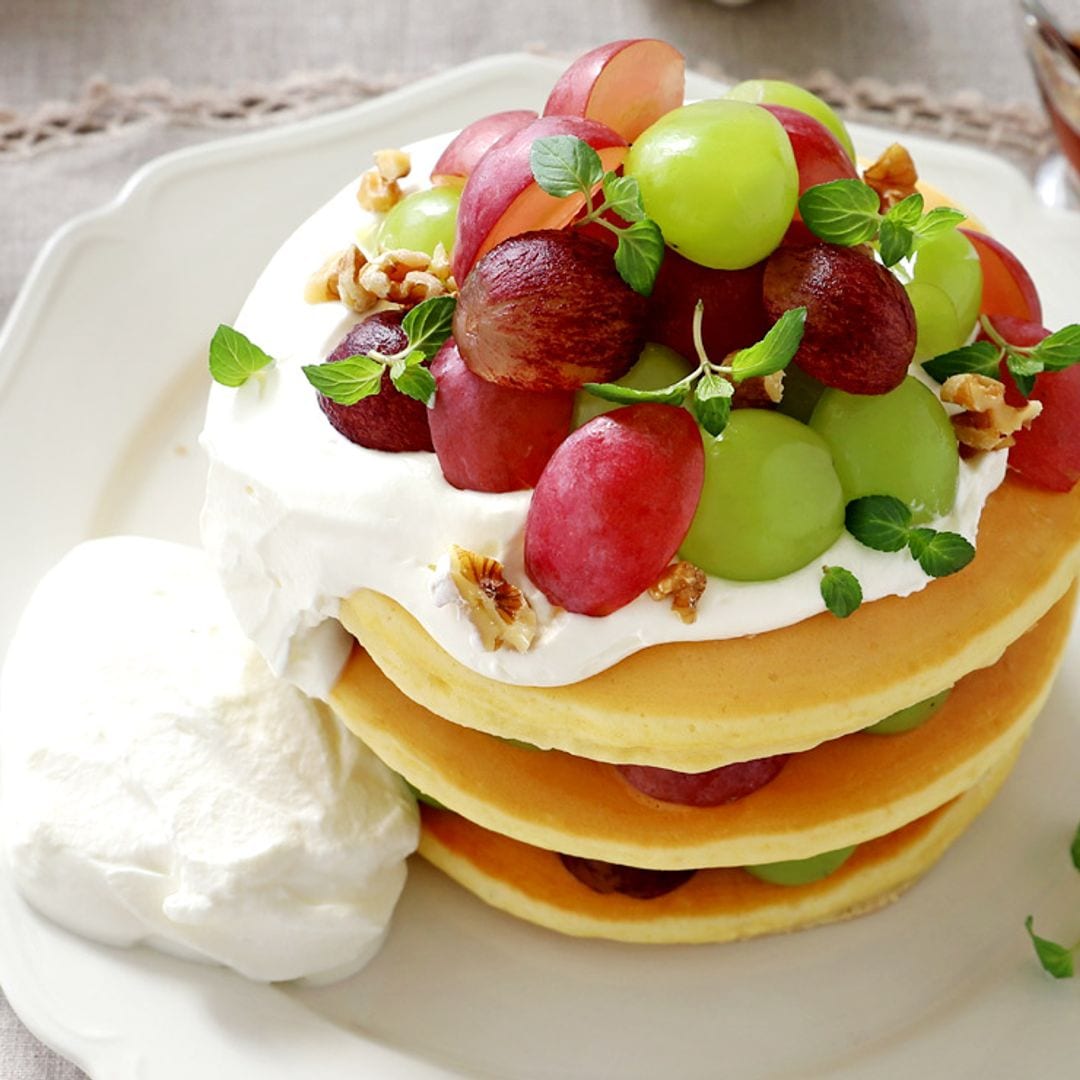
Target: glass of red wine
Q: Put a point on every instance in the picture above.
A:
(1054, 51)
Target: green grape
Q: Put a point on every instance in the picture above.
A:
(936, 322)
(422, 220)
(656, 367)
(771, 501)
(776, 92)
(719, 178)
(900, 443)
(801, 394)
(951, 262)
(910, 718)
(802, 871)
(419, 796)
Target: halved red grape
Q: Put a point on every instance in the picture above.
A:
(819, 157)
(634, 881)
(716, 787)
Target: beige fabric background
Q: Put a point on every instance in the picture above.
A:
(197, 54)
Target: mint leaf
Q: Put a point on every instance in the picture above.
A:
(623, 196)
(1074, 851)
(881, 522)
(1060, 350)
(841, 212)
(936, 222)
(639, 254)
(428, 325)
(712, 402)
(940, 553)
(1056, 960)
(982, 358)
(896, 242)
(774, 351)
(627, 395)
(346, 381)
(565, 165)
(907, 212)
(841, 591)
(1023, 367)
(415, 381)
(234, 358)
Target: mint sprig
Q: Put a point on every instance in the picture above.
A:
(1057, 960)
(883, 522)
(841, 591)
(1057, 352)
(1074, 850)
(564, 165)
(847, 212)
(711, 386)
(353, 378)
(234, 358)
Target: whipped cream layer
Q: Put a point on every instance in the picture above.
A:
(160, 785)
(297, 517)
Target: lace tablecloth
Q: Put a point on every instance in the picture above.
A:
(67, 144)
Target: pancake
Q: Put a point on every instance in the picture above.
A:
(842, 792)
(695, 706)
(714, 905)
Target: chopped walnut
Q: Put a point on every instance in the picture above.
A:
(400, 278)
(892, 176)
(392, 164)
(759, 392)
(684, 583)
(498, 610)
(988, 421)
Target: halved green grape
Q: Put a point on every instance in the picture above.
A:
(422, 220)
(900, 444)
(910, 718)
(656, 367)
(802, 871)
(777, 92)
(719, 178)
(419, 796)
(936, 322)
(951, 262)
(771, 501)
(801, 393)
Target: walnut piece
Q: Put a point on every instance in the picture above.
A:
(392, 165)
(988, 421)
(684, 583)
(759, 392)
(892, 176)
(396, 278)
(498, 610)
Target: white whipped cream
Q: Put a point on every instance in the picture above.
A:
(160, 785)
(297, 517)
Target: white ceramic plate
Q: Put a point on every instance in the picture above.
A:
(101, 389)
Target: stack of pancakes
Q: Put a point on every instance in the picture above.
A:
(995, 632)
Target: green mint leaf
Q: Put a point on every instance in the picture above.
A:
(639, 254)
(939, 220)
(565, 165)
(881, 522)
(234, 358)
(415, 382)
(982, 358)
(1074, 851)
(1056, 960)
(346, 381)
(841, 212)
(841, 591)
(774, 351)
(428, 325)
(712, 402)
(907, 211)
(896, 242)
(1023, 368)
(1060, 350)
(675, 394)
(623, 196)
(940, 553)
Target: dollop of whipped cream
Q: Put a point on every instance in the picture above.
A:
(297, 517)
(161, 786)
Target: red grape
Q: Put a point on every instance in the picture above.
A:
(612, 507)
(641, 884)
(819, 157)
(716, 787)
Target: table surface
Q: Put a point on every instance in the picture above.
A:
(187, 58)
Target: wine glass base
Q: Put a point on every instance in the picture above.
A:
(1056, 184)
